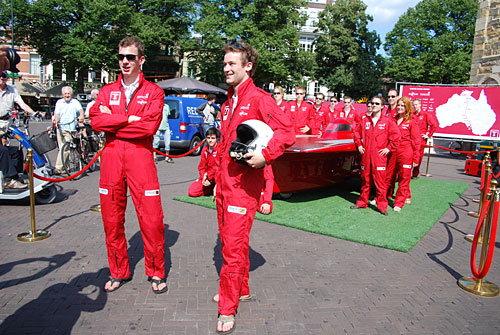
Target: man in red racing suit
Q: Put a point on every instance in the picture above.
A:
(378, 135)
(239, 186)
(129, 111)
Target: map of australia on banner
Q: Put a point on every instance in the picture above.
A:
(466, 112)
(476, 114)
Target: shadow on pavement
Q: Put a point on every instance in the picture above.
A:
(58, 307)
(256, 259)
(55, 262)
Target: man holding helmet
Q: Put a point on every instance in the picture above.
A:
(239, 185)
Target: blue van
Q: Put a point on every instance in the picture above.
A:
(186, 126)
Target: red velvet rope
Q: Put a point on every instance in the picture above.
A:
(491, 247)
(495, 176)
(58, 180)
(179, 156)
(463, 152)
(483, 168)
(480, 222)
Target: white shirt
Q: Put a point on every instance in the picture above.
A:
(129, 90)
(7, 99)
(68, 113)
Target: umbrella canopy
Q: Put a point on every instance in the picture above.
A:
(189, 85)
(26, 89)
(54, 92)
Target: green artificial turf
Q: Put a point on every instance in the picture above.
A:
(326, 211)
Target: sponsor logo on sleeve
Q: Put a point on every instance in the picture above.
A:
(380, 168)
(103, 191)
(406, 166)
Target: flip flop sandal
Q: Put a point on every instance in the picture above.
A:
(158, 282)
(226, 319)
(117, 280)
(243, 298)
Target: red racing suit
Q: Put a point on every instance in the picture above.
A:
(127, 160)
(319, 120)
(427, 124)
(353, 117)
(284, 106)
(207, 165)
(384, 134)
(239, 186)
(401, 162)
(301, 116)
(266, 195)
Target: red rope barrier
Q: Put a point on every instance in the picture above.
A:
(495, 176)
(179, 156)
(462, 152)
(480, 222)
(73, 175)
(491, 247)
(483, 168)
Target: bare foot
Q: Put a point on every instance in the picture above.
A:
(158, 287)
(111, 287)
(225, 326)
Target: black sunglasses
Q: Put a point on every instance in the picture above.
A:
(376, 103)
(129, 57)
(392, 96)
(276, 93)
(333, 101)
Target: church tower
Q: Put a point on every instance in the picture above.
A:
(485, 67)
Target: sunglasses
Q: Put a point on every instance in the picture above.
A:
(3, 75)
(376, 103)
(319, 99)
(335, 101)
(392, 96)
(129, 57)
(300, 93)
(276, 93)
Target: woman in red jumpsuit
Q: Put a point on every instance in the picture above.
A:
(377, 136)
(406, 155)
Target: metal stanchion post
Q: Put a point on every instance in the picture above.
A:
(33, 235)
(97, 207)
(427, 174)
(478, 285)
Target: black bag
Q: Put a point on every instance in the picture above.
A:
(42, 143)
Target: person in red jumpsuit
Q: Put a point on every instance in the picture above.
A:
(129, 111)
(402, 160)
(392, 98)
(302, 113)
(427, 124)
(278, 95)
(378, 135)
(239, 186)
(331, 109)
(347, 112)
(207, 168)
(320, 115)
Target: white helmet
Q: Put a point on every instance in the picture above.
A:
(251, 136)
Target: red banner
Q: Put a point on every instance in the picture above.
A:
(462, 112)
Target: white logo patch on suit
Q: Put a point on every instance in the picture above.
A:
(114, 98)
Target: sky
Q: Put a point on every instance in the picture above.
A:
(386, 14)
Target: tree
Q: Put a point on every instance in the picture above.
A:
(346, 51)
(84, 34)
(433, 42)
(271, 26)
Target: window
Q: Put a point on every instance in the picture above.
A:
(174, 109)
(35, 64)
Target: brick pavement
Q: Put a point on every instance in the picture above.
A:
(304, 283)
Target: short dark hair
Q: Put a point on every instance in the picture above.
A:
(248, 53)
(210, 97)
(132, 40)
(212, 131)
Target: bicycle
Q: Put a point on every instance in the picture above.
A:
(80, 151)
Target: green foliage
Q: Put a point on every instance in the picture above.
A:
(433, 42)
(83, 34)
(268, 25)
(346, 51)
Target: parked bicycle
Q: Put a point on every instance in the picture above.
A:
(80, 151)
